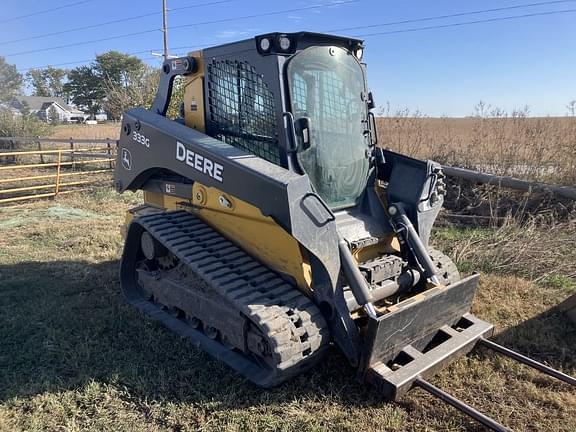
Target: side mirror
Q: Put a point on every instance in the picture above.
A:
(371, 103)
(302, 127)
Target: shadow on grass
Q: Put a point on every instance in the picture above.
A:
(64, 324)
(549, 338)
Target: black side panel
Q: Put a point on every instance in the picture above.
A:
(415, 185)
(151, 144)
(171, 146)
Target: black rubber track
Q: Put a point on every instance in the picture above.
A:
(293, 326)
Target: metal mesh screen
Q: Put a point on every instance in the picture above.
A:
(241, 109)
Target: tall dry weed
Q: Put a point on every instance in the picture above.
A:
(540, 249)
(491, 140)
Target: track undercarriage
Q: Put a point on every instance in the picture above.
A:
(181, 272)
(190, 277)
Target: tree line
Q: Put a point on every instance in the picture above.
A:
(113, 83)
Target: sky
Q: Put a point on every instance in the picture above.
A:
(437, 66)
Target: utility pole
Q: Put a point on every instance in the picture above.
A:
(165, 28)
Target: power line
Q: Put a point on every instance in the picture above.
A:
(83, 43)
(114, 21)
(45, 11)
(265, 14)
(75, 62)
(461, 14)
(318, 6)
(505, 18)
(440, 26)
(487, 20)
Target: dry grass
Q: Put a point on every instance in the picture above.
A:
(76, 357)
(99, 131)
(538, 250)
(494, 141)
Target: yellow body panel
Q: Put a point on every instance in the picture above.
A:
(245, 225)
(194, 96)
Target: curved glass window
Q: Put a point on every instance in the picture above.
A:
(327, 85)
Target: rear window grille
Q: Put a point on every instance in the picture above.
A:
(241, 109)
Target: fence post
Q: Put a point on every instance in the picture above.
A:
(11, 147)
(58, 174)
(39, 148)
(109, 152)
(72, 156)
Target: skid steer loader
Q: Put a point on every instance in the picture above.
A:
(273, 225)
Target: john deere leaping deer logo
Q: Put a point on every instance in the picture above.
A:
(126, 159)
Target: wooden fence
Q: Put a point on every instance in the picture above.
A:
(32, 168)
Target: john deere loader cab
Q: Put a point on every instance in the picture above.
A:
(328, 100)
(272, 223)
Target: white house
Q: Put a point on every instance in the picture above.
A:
(4, 108)
(46, 107)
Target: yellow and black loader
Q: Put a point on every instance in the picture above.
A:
(273, 224)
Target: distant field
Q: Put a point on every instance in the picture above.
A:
(76, 357)
(541, 149)
(99, 131)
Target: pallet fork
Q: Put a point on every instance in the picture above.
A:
(414, 365)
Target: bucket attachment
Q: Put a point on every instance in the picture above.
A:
(413, 341)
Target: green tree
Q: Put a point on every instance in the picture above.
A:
(126, 81)
(10, 80)
(48, 82)
(118, 68)
(111, 75)
(139, 90)
(85, 88)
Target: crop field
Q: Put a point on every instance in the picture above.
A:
(531, 148)
(76, 357)
(515, 144)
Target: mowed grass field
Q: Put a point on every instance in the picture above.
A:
(75, 357)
